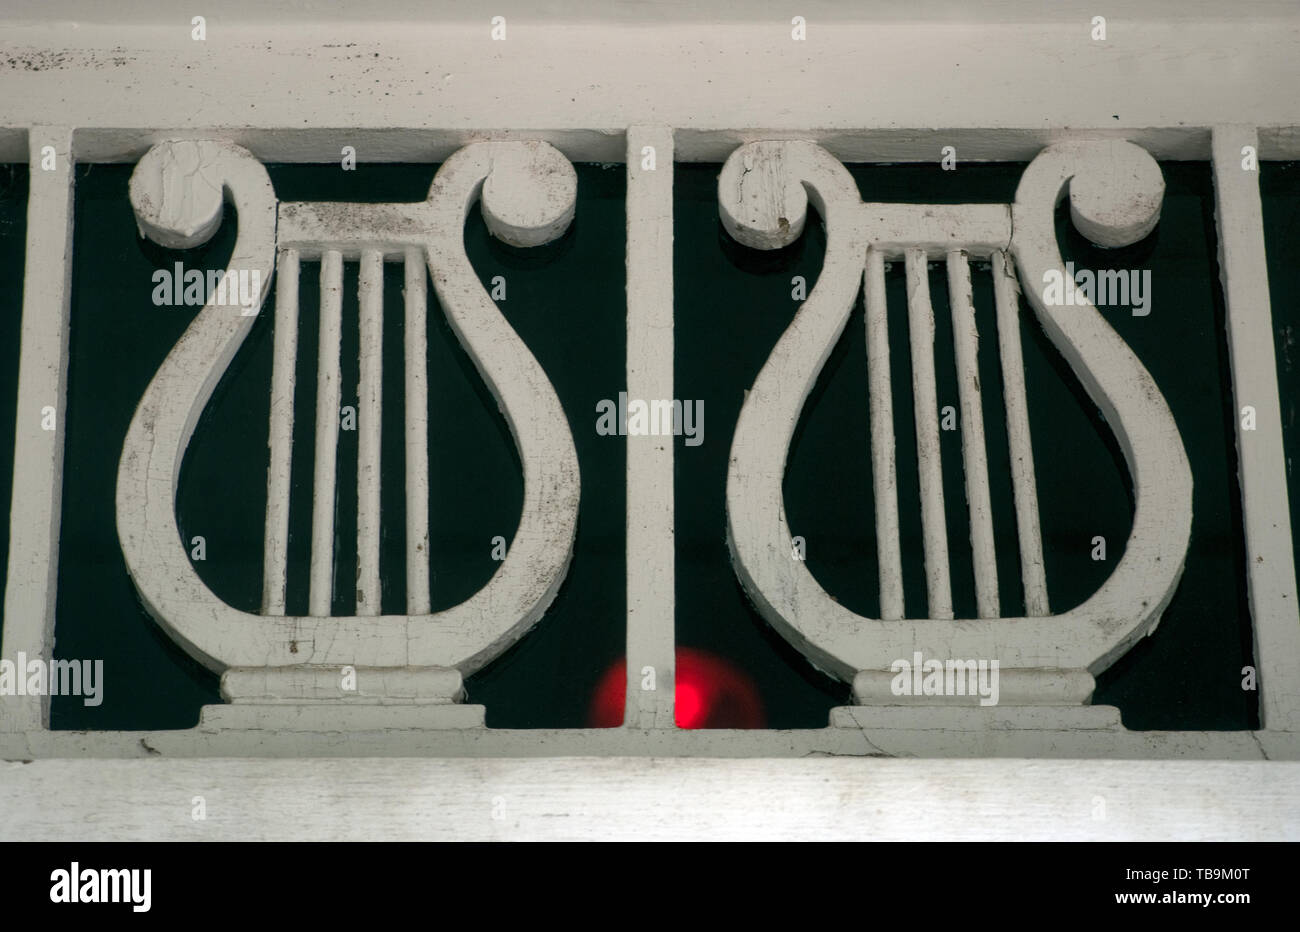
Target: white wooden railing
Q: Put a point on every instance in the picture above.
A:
(280, 674)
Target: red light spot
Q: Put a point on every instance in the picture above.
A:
(690, 712)
(711, 693)
(607, 701)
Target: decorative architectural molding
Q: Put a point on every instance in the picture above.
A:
(1115, 191)
(272, 91)
(528, 195)
(282, 674)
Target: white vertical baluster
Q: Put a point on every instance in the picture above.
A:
(1024, 484)
(883, 468)
(974, 454)
(327, 433)
(1270, 568)
(650, 560)
(418, 601)
(36, 504)
(283, 379)
(920, 314)
(369, 428)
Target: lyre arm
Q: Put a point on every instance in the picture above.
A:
(178, 190)
(1115, 190)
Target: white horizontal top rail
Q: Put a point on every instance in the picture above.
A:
(578, 78)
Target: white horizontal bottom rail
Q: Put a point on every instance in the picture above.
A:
(939, 737)
(650, 799)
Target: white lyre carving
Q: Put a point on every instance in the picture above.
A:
(528, 194)
(1115, 190)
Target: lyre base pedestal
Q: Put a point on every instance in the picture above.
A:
(341, 717)
(976, 718)
(333, 698)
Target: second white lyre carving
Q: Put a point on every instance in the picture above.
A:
(1115, 190)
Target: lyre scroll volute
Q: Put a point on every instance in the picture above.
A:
(1045, 659)
(528, 194)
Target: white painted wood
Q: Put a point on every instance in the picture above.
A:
(172, 192)
(328, 398)
(650, 799)
(974, 454)
(724, 76)
(528, 195)
(714, 70)
(369, 433)
(699, 89)
(1021, 710)
(282, 707)
(1026, 698)
(925, 402)
(1270, 570)
(978, 229)
(155, 12)
(391, 686)
(884, 474)
(763, 195)
(1033, 572)
(246, 729)
(866, 143)
(317, 227)
(1115, 191)
(650, 542)
(284, 361)
(36, 501)
(418, 598)
(176, 200)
